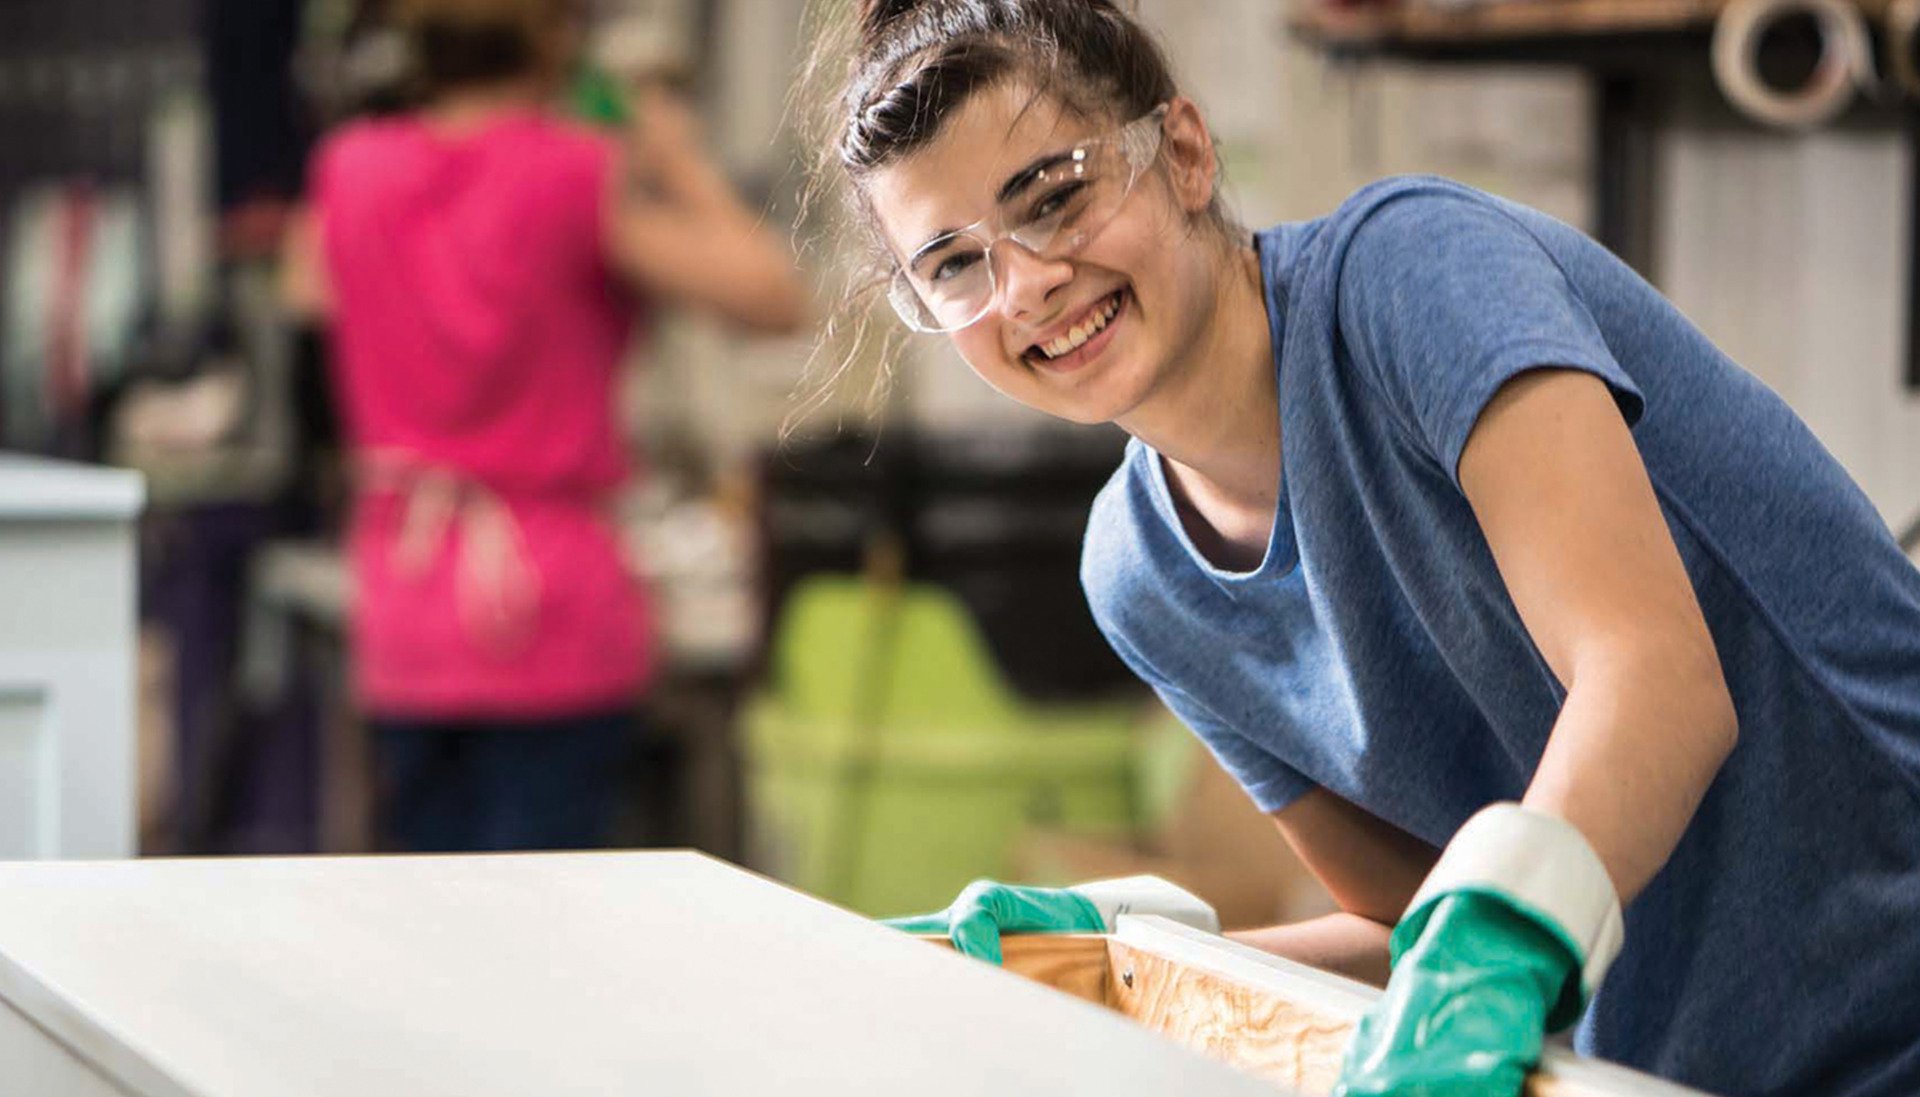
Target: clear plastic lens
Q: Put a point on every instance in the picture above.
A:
(1063, 206)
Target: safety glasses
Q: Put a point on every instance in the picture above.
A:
(1051, 208)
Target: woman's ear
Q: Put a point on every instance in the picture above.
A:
(1192, 166)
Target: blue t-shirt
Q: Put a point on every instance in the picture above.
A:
(1375, 652)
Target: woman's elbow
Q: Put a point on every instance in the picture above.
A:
(1684, 674)
(1726, 721)
(1715, 719)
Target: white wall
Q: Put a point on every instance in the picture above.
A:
(1790, 253)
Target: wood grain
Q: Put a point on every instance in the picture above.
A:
(1285, 1022)
(1285, 1041)
(1073, 963)
(1274, 1019)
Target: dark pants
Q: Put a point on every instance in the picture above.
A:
(458, 787)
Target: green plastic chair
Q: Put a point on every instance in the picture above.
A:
(889, 763)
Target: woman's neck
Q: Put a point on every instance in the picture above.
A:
(471, 108)
(1216, 416)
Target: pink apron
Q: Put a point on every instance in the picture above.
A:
(477, 335)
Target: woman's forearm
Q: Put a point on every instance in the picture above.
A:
(1570, 512)
(1635, 748)
(1345, 944)
(680, 229)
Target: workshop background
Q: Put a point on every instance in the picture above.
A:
(879, 676)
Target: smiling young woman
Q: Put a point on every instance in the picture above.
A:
(1554, 643)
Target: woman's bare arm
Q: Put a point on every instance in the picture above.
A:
(678, 229)
(1577, 532)
(303, 275)
(1370, 867)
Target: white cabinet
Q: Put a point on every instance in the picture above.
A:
(67, 609)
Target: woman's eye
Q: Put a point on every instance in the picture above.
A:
(954, 265)
(1057, 200)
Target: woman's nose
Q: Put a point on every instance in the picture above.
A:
(1028, 278)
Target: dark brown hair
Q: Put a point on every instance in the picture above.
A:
(466, 43)
(919, 60)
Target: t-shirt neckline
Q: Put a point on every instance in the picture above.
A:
(1282, 551)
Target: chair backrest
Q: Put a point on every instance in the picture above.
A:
(838, 632)
(823, 647)
(942, 671)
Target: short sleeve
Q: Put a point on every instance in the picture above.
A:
(1444, 298)
(1271, 783)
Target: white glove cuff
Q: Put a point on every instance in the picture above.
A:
(1543, 863)
(1148, 895)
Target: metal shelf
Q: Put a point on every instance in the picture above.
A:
(1502, 27)
(1636, 52)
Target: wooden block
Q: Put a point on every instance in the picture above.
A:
(1282, 1022)
(1277, 1038)
(1074, 963)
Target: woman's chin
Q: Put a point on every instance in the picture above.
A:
(1102, 399)
(1104, 390)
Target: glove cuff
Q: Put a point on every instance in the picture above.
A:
(1542, 866)
(1147, 895)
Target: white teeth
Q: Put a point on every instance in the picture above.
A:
(1085, 330)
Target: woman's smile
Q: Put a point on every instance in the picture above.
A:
(1071, 346)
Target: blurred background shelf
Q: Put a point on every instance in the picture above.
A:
(1511, 23)
(1641, 56)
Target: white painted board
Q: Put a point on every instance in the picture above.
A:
(549, 974)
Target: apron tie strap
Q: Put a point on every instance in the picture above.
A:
(497, 588)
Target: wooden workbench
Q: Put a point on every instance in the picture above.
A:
(559, 974)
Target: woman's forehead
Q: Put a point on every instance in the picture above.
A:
(950, 182)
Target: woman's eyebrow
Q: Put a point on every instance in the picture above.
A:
(1008, 191)
(1016, 183)
(932, 244)
(1022, 179)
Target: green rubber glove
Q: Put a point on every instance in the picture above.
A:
(1475, 978)
(985, 909)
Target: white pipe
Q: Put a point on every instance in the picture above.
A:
(1846, 59)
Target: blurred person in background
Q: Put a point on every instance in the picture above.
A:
(481, 262)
